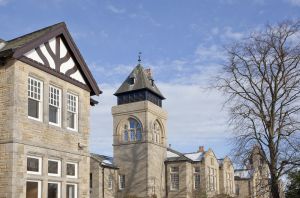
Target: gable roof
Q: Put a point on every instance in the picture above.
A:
(104, 160)
(175, 156)
(142, 81)
(196, 156)
(17, 47)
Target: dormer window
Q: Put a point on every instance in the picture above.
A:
(131, 80)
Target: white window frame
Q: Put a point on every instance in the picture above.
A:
(59, 168)
(58, 188)
(110, 182)
(39, 187)
(76, 170)
(40, 101)
(197, 173)
(40, 165)
(120, 182)
(57, 106)
(173, 173)
(75, 112)
(75, 187)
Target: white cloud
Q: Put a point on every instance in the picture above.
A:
(115, 9)
(195, 117)
(3, 2)
(210, 53)
(230, 34)
(294, 2)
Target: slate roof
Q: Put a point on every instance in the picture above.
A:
(196, 156)
(242, 174)
(142, 81)
(175, 156)
(104, 160)
(22, 40)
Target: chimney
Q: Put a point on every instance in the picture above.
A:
(170, 145)
(201, 149)
(148, 73)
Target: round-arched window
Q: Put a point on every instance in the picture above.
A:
(132, 131)
(156, 132)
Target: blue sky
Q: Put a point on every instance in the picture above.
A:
(181, 41)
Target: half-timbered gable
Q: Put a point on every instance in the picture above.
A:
(52, 50)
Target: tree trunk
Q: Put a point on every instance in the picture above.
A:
(274, 187)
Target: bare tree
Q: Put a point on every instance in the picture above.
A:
(261, 80)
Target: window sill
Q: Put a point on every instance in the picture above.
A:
(55, 125)
(33, 173)
(72, 130)
(35, 119)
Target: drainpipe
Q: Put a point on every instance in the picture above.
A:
(102, 181)
(166, 180)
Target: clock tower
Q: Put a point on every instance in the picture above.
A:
(140, 136)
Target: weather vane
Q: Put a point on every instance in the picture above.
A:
(139, 60)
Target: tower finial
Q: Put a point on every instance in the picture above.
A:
(139, 60)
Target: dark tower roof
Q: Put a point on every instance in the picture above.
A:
(138, 79)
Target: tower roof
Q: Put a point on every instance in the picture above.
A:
(138, 79)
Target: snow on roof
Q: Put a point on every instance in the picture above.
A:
(107, 162)
(195, 156)
(171, 154)
(243, 173)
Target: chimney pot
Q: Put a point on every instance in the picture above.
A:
(201, 149)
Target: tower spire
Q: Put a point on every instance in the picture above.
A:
(139, 60)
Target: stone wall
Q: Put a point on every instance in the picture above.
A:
(142, 162)
(6, 127)
(39, 138)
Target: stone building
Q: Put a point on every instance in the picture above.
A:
(145, 166)
(45, 99)
(253, 180)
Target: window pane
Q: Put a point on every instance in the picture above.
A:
(70, 191)
(53, 167)
(53, 114)
(32, 164)
(71, 120)
(33, 108)
(71, 169)
(132, 135)
(32, 189)
(126, 136)
(132, 122)
(139, 135)
(52, 190)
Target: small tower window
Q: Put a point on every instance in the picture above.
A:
(132, 131)
(131, 80)
(156, 132)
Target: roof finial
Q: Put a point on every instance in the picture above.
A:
(139, 60)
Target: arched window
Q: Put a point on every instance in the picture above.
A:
(132, 131)
(156, 133)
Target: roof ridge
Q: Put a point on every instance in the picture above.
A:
(51, 26)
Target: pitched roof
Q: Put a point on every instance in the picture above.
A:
(175, 156)
(18, 42)
(17, 47)
(142, 81)
(104, 160)
(243, 173)
(196, 156)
